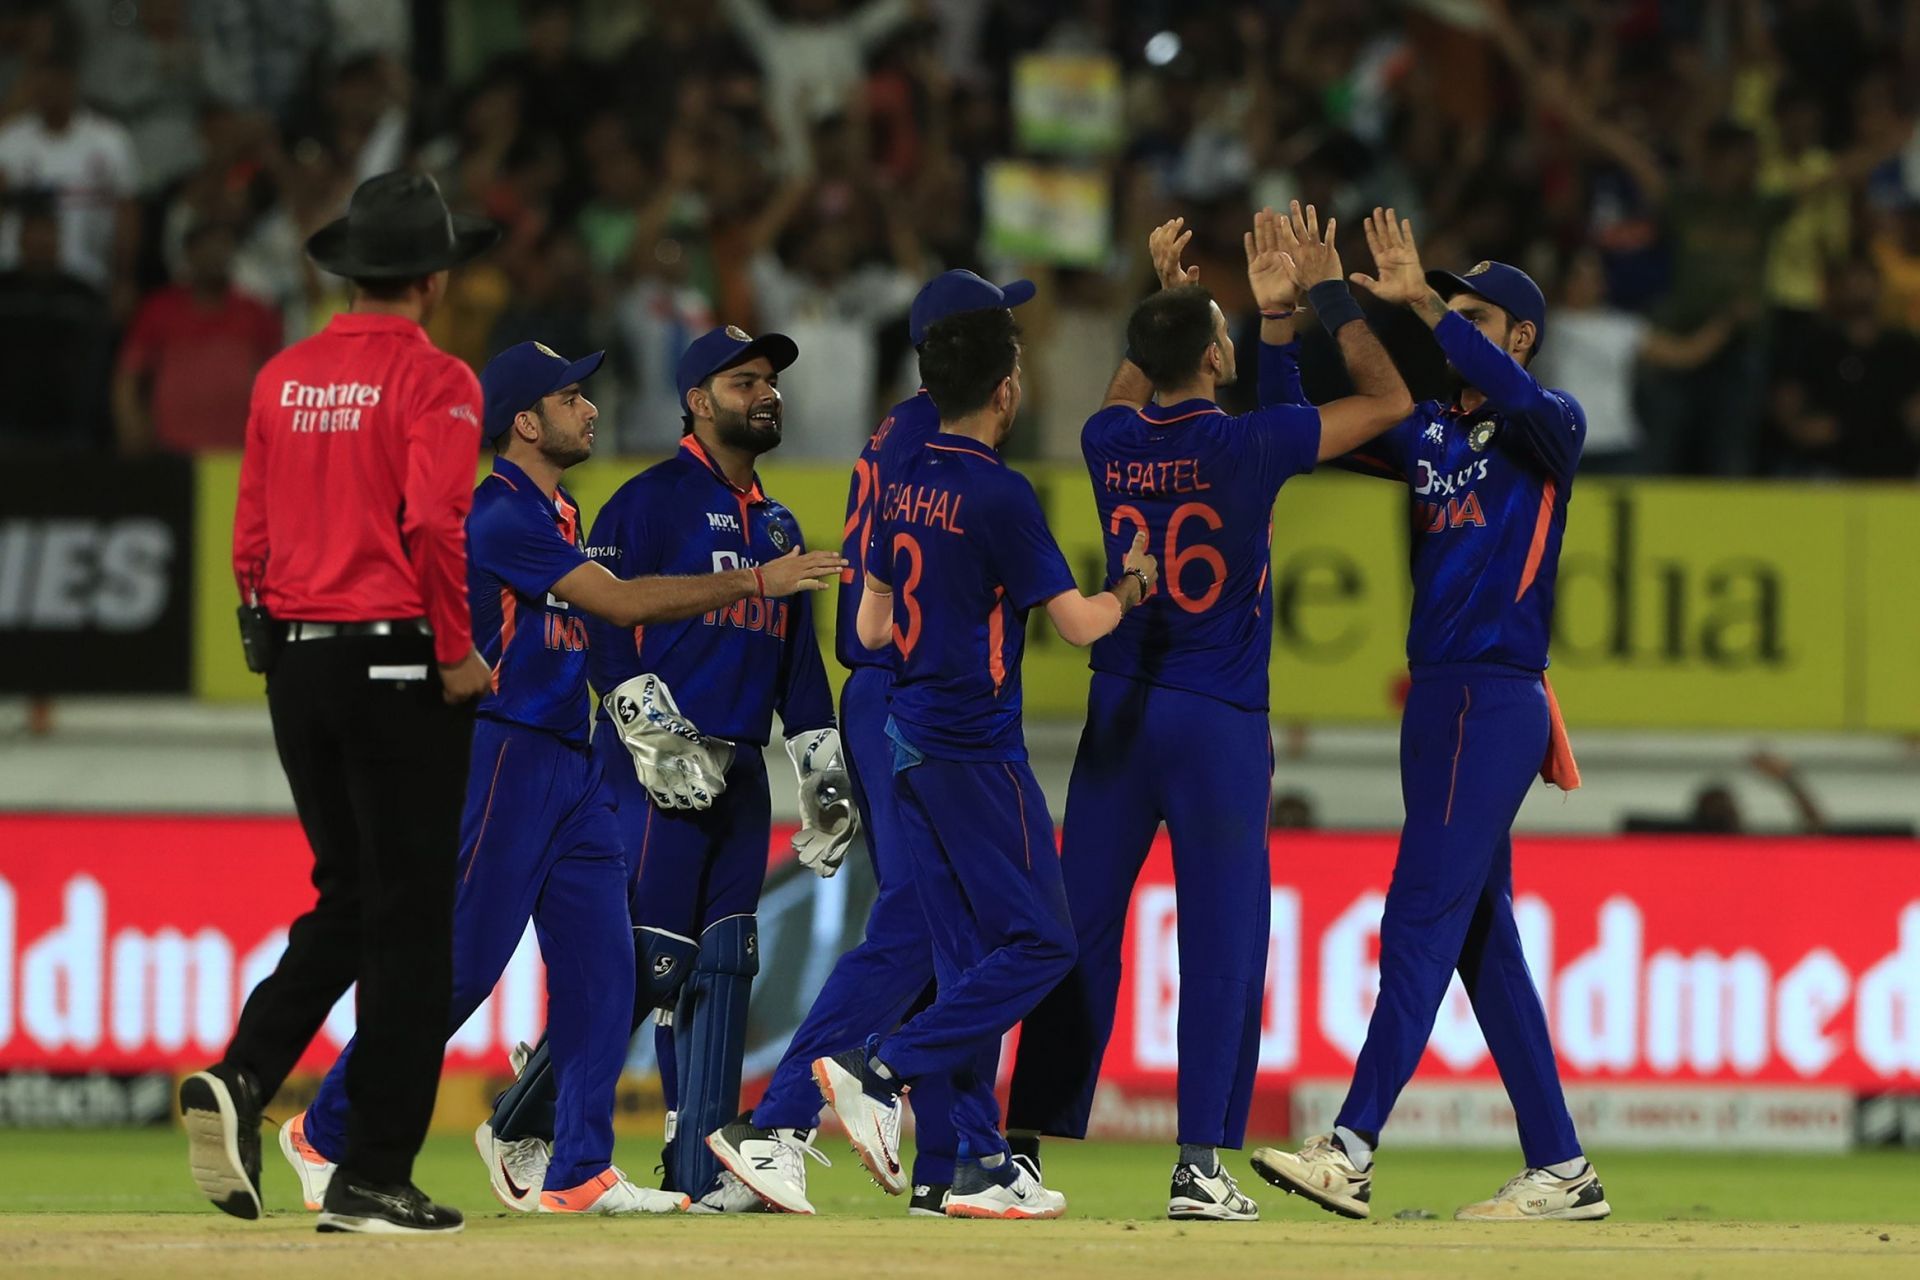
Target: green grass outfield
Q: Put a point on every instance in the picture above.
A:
(120, 1204)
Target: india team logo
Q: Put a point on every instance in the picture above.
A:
(1479, 436)
(738, 334)
(778, 537)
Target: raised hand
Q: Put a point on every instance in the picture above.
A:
(1268, 271)
(801, 571)
(1137, 558)
(1312, 258)
(1396, 259)
(1165, 244)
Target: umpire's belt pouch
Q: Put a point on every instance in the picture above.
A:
(260, 638)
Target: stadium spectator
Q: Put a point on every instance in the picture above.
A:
(56, 332)
(87, 161)
(1847, 401)
(559, 87)
(143, 65)
(263, 53)
(186, 369)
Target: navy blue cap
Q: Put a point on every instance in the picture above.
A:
(724, 348)
(516, 379)
(951, 292)
(1507, 287)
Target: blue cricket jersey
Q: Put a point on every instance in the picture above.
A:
(730, 669)
(1490, 492)
(961, 539)
(1201, 483)
(907, 426)
(519, 543)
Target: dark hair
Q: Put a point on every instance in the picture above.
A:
(1169, 332)
(1727, 135)
(388, 290)
(965, 356)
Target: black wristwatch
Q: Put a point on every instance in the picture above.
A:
(1140, 574)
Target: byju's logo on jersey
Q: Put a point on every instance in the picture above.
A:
(723, 520)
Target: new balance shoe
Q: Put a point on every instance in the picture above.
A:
(371, 1208)
(1321, 1172)
(730, 1195)
(611, 1194)
(1540, 1195)
(977, 1193)
(314, 1170)
(869, 1111)
(771, 1162)
(1208, 1197)
(929, 1200)
(220, 1110)
(515, 1168)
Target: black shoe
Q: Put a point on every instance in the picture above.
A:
(220, 1110)
(929, 1200)
(374, 1208)
(1197, 1195)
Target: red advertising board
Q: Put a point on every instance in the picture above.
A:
(128, 943)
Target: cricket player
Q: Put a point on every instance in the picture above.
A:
(960, 553)
(876, 985)
(539, 839)
(1190, 665)
(1490, 474)
(697, 818)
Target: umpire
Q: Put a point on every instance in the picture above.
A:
(350, 550)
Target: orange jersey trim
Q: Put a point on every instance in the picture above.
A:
(1541, 524)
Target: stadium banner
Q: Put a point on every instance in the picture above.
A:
(1068, 104)
(96, 578)
(1681, 604)
(128, 943)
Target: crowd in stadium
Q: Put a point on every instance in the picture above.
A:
(1721, 197)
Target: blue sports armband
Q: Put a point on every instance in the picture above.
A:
(1334, 303)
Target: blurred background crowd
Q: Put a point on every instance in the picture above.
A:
(1721, 197)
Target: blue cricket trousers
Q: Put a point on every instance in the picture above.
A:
(539, 840)
(1150, 755)
(1471, 743)
(877, 984)
(989, 884)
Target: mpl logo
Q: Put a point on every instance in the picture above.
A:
(723, 521)
(1435, 433)
(79, 574)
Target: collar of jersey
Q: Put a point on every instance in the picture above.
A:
(562, 507)
(374, 322)
(1165, 415)
(690, 445)
(954, 442)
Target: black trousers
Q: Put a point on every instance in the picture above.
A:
(378, 769)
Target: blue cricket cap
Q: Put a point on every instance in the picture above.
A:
(516, 379)
(723, 348)
(951, 292)
(1504, 286)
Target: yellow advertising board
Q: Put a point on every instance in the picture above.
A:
(1681, 604)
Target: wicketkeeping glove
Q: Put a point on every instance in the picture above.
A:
(680, 767)
(827, 817)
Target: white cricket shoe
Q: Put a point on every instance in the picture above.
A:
(1540, 1195)
(516, 1169)
(314, 1170)
(731, 1195)
(975, 1195)
(1322, 1173)
(611, 1193)
(1208, 1197)
(871, 1117)
(771, 1162)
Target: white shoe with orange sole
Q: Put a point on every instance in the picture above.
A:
(976, 1195)
(314, 1170)
(611, 1193)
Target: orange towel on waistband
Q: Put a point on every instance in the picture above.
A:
(1559, 768)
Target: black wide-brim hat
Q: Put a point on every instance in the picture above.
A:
(397, 227)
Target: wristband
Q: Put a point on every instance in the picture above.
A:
(759, 584)
(1334, 303)
(1279, 315)
(1141, 576)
